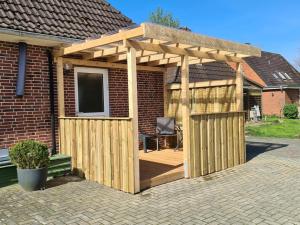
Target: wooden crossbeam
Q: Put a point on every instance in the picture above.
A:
(122, 57)
(180, 51)
(176, 61)
(81, 62)
(201, 84)
(106, 52)
(151, 58)
(136, 32)
(156, 31)
(165, 61)
(141, 53)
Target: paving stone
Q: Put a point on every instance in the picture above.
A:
(265, 190)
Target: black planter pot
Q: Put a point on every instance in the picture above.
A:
(32, 179)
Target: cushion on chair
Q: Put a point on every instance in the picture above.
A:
(165, 125)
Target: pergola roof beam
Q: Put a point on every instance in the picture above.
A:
(156, 31)
(179, 51)
(159, 46)
(104, 40)
(81, 62)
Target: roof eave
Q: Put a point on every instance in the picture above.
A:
(12, 35)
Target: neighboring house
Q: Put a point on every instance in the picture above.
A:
(281, 81)
(43, 26)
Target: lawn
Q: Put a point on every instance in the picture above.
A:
(275, 127)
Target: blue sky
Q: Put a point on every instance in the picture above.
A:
(272, 25)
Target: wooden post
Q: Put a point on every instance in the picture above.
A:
(239, 88)
(60, 86)
(185, 101)
(133, 113)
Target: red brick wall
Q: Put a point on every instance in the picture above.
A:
(273, 102)
(150, 96)
(26, 117)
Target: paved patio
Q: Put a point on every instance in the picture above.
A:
(266, 190)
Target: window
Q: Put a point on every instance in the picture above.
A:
(281, 75)
(288, 76)
(275, 76)
(91, 91)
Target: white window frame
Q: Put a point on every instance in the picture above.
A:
(104, 72)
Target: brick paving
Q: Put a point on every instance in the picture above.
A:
(266, 190)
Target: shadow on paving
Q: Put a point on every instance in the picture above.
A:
(253, 149)
(62, 180)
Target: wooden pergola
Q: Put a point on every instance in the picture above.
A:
(153, 47)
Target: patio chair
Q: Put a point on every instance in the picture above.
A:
(4, 157)
(166, 127)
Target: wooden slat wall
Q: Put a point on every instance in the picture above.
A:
(101, 150)
(203, 100)
(217, 142)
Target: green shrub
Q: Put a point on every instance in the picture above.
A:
(290, 111)
(29, 155)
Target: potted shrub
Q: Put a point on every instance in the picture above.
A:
(31, 159)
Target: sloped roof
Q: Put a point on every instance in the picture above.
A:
(204, 72)
(78, 19)
(249, 74)
(274, 70)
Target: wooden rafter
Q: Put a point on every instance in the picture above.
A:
(106, 52)
(158, 46)
(90, 63)
(122, 57)
(176, 61)
(181, 52)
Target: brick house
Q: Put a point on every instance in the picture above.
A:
(280, 81)
(44, 26)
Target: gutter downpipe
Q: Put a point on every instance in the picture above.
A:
(52, 104)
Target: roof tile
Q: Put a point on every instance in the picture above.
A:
(77, 19)
(205, 72)
(270, 63)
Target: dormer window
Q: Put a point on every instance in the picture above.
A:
(288, 76)
(275, 76)
(281, 76)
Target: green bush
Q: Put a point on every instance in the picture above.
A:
(29, 155)
(290, 111)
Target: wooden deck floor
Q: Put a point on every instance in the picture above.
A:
(159, 167)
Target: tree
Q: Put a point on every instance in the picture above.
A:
(159, 16)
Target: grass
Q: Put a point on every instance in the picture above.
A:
(275, 127)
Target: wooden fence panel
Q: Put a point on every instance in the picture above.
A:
(203, 100)
(101, 150)
(217, 142)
